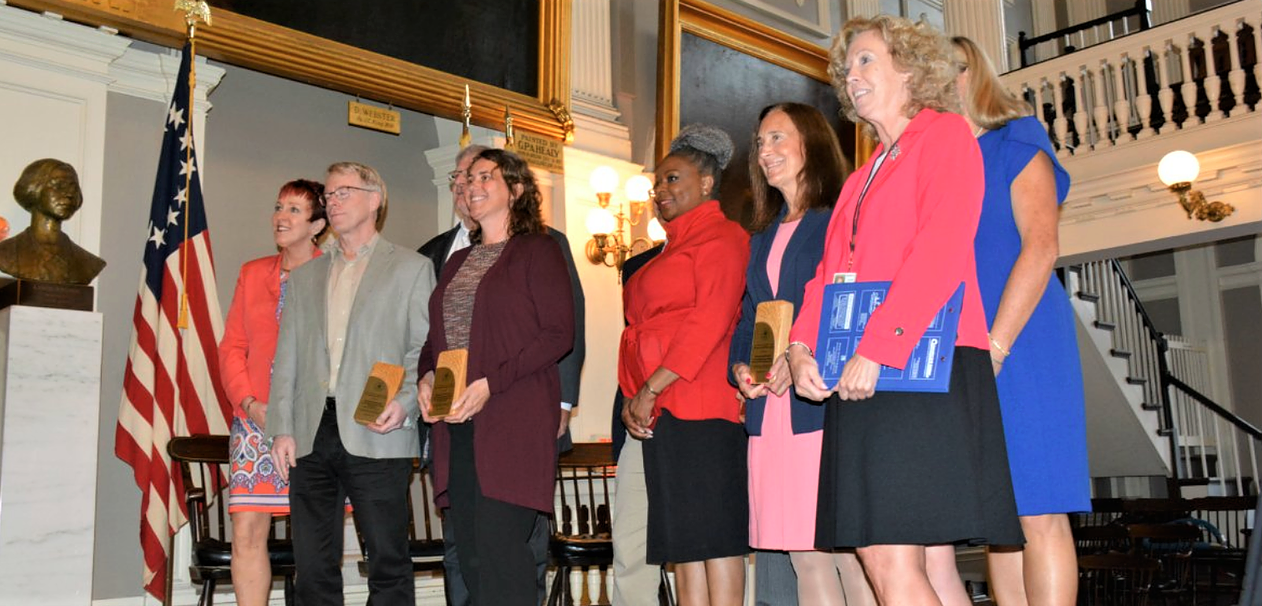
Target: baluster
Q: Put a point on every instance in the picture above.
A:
(1235, 77)
(1189, 85)
(1165, 86)
(1102, 105)
(1082, 111)
(1060, 125)
(1257, 62)
(1047, 99)
(1213, 82)
(1121, 103)
(1143, 100)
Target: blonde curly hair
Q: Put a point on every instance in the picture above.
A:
(917, 48)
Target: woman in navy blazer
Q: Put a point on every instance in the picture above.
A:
(796, 172)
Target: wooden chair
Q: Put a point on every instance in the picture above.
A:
(1094, 540)
(425, 545)
(1171, 545)
(583, 532)
(203, 460)
(1116, 579)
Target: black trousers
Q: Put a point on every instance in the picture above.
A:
(319, 486)
(491, 536)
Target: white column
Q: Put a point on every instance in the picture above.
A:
(591, 66)
(50, 404)
(1165, 11)
(1043, 13)
(981, 21)
(1085, 10)
(862, 8)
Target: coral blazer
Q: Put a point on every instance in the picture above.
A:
(916, 228)
(681, 310)
(249, 335)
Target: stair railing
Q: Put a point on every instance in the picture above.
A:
(1200, 432)
(1064, 38)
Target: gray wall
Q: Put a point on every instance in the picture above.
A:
(261, 132)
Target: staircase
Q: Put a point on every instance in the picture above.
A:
(1151, 431)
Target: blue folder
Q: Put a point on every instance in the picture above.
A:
(845, 313)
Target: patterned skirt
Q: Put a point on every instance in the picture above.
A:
(256, 484)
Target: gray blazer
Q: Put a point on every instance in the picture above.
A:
(389, 323)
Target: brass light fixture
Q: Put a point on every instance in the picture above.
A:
(610, 244)
(1178, 170)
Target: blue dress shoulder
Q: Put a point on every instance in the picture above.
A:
(1040, 386)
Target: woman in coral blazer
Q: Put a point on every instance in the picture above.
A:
(245, 364)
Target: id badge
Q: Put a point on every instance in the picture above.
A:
(844, 277)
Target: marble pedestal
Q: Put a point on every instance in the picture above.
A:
(50, 402)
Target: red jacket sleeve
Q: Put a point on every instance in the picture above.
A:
(719, 282)
(233, 347)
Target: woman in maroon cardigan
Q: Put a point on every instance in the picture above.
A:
(507, 301)
(681, 311)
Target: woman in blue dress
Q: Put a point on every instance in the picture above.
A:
(1033, 343)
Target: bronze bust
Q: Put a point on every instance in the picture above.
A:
(49, 190)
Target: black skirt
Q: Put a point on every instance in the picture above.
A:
(698, 489)
(918, 469)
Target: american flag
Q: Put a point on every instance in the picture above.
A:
(171, 387)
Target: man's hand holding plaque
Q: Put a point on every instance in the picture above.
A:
(377, 409)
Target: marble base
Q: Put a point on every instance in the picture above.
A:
(50, 402)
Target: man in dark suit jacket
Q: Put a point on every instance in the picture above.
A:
(438, 250)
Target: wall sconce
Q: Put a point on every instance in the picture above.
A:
(1178, 169)
(610, 245)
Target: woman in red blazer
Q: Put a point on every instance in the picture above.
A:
(245, 365)
(506, 300)
(906, 476)
(681, 310)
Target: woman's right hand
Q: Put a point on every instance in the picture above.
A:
(745, 382)
(256, 411)
(637, 414)
(424, 392)
(805, 370)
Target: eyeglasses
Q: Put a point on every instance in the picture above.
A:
(343, 192)
(455, 176)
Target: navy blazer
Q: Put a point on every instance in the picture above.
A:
(801, 259)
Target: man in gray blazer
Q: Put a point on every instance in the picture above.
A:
(364, 302)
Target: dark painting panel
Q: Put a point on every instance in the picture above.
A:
(491, 41)
(726, 88)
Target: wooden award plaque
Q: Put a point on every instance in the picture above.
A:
(383, 384)
(449, 381)
(771, 336)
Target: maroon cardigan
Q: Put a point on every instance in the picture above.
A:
(523, 323)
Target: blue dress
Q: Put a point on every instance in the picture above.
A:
(1040, 386)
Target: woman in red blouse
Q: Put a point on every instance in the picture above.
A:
(245, 362)
(681, 310)
(906, 476)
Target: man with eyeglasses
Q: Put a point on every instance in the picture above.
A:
(439, 249)
(330, 338)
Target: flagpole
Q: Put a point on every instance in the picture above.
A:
(194, 11)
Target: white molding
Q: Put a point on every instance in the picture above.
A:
(45, 41)
(1240, 276)
(149, 75)
(821, 27)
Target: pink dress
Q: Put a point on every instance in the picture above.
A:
(783, 467)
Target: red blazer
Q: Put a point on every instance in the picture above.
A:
(681, 310)
(249, 335)
(916, 229)
(523, 324)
